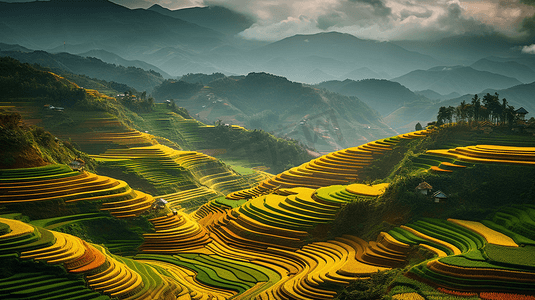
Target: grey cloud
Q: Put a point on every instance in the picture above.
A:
(329, 20)
(379, 7)
(422, 15)
(454, 22)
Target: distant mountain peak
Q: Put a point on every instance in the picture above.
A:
(448, 68)
(156, 6)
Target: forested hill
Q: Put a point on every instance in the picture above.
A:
(382, 95)
(321, 119)
(94, 120)
(93, 67)
(22, 80)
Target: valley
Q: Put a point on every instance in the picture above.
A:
(375, 150)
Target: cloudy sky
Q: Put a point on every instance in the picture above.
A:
(374, 19)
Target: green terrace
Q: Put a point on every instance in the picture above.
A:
(466, 262)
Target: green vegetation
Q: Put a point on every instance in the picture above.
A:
(320, 119)
(248, 147)
(27, 147)
(509, 256)
(74, 68)
(373, 288)
(487, 109)
(289, 242)
(20, 81)
(26, 280)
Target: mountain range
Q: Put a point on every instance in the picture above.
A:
(151, 49)
(316, 117)
(405, 117)
(135, 77)
(382, 95)
(460, 79)
(207, 40)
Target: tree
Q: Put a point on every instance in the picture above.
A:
(476, 107)
(504, 110)
(442, 115)
(463, 111)
(418, 126)
(493, 107)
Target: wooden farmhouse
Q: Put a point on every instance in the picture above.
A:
(424, 188)
(439, 196)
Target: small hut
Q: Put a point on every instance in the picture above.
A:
(439, 196)
(77, 165)
(521, 113)
(160, 203)
(424, 188)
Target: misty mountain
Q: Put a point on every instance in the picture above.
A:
(306, 52)
(166, 40)
(508, 68)
(523, 59)
(93, 67)
(382, 95)
(112, 58)
(201, 78)
(10, 47)
(432, 95)
(460, 79)
(406, 116)
(464, 49)
(317, 76)
(100, 24)
(364, 73)
(319, 118)
(217, 18)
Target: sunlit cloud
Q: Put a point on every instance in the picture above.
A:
(529, 49)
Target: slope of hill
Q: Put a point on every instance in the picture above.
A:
(317, 118)
(430, 94)
(112, 58)
(305, 52)
(408, 115)
(509, 68)
(93, 67)
(465, 49)
(292, 242)
(364, 73)
(525, 60)
(382, 95)
(463, 80)
(99, 24)
(25, 147)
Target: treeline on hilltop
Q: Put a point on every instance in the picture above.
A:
(25, 147)
(20, 82)
(258, 146)
(90, 66)
(489, 108)
(25, 81)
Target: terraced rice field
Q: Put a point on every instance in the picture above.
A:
(195, 176)
(59, 182)
(258, 248)
(340, 167)
(473, 259)
(490, 154)
(227, 248)
(102, 274)
(186, 132)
